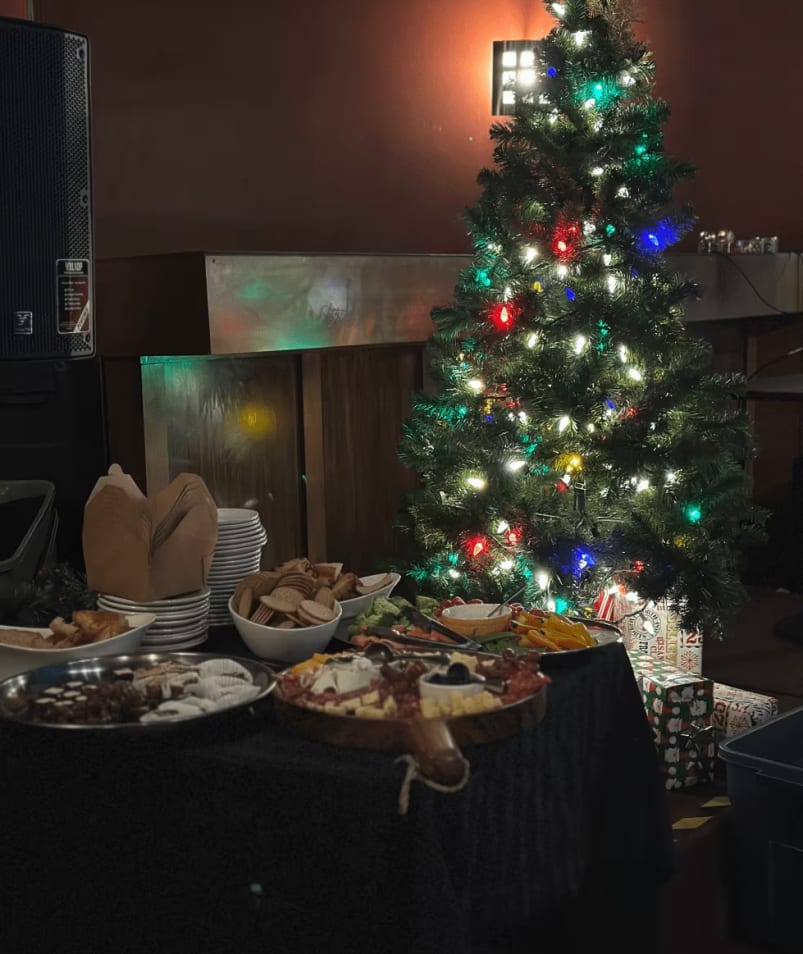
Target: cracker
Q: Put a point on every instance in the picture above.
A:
(246, 602)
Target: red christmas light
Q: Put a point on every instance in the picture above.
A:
(504, 314)
(638, 566)
(476, 546)
(513, 537)
(561, 486)
(566, 240)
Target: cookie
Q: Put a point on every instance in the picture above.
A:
(325, 597)
(246, 602)
(315, 614)
(262, 614)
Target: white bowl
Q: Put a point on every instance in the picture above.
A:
(441, 693)
(359, 604)
(16, 659)
(474, 619)
(284, 645)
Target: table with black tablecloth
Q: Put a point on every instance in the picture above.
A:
(239, 836)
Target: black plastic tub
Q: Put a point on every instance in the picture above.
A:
(26, 529)
(765, 785)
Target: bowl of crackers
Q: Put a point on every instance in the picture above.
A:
(289, 613)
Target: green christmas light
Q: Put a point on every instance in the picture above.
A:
(561, 605)
(604, 91)
(610, 229)
(482, 278)
(453, 559)
(693, 513)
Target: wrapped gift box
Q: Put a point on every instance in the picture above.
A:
(652, 628)
(679, 707)
(737, 710)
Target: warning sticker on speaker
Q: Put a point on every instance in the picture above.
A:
(73, 299)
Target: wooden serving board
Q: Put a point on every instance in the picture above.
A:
(434, 742)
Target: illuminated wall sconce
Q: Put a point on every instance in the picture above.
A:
(514, 74)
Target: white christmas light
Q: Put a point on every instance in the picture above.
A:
(563, 423)
(502, 526)
(597, 171)
(454, 574)
(542, 579)
(625, 79)
(508, 293)
(635, 374)
(551, 605)
(579, 344)
(607, 259)
(553, 117)
(476, 385)
(589, 103)
(532, 341)
(561, 271)
(567, 479)
(589, 228)
(515, 465)
(543, 100)
(671, 477)
(529, 254)
(642, 484)
(623, 192)
(559, 9)
(590, 428)
(476, 483)
(613, 283)
(523, 417)
(622, 353)
(580, 37)
(506, 565)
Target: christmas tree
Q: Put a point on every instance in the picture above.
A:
(578, 437)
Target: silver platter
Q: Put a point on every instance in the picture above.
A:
(99, 669)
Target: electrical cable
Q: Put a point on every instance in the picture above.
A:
(756, 292)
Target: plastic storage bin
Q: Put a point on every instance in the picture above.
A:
(27, 523)
(765, 785)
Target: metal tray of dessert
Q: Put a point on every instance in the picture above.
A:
(100, 670)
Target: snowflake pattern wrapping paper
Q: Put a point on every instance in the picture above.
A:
(737, 710)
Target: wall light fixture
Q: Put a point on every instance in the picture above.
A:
(515, 74)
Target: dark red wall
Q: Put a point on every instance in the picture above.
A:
(14, 8)
(360, 126)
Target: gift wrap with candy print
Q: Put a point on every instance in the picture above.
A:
(679, 707)
(652, 628)
(737, 710)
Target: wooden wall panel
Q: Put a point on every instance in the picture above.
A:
(366, 398)
(237, 423)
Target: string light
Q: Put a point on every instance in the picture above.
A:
(623, 192)
(542, 579)
(613, 283)
(579, 344)
(476, 483)
(506, 565)
(597, 171)
(607, 259)
(622, 353)
(454, 574)
(580, 37)
(635, 374)
(529, 254)
(590, 428)
(502, 526)
(563, 423)
(626, 79)
(515, 465)
(532, 341)
(642, 484)
(476, 385)
(590, 103)
(671, 477)
(559, 9)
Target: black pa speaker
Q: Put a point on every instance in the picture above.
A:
(46, 300)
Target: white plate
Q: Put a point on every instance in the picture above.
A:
(156, 605)
(177, 637)
(230, 570)
(175, 647)
(167, 616)
(16, 659)
(184, 627)
(235, 515)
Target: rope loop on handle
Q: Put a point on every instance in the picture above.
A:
(413, 773)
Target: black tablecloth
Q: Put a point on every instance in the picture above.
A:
(240, 836)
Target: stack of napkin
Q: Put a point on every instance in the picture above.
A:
(148, 548)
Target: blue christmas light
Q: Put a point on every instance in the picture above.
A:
(658, 237)
(570, 294)
(489, 418)
(583, 560)
(610, 404)
(551, 72)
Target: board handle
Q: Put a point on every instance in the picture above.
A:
(438, 756)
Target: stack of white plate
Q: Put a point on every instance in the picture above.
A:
(240, 538)
(181, 621)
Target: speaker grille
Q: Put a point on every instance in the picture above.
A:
(45, 193)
